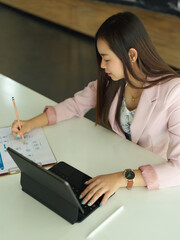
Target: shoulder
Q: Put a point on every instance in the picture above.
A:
(170, 90)
(171, 85)
(93, 84)
(175, 82)
(167, 85)
(166, 92)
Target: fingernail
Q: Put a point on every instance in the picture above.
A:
(85, 183)
(17, 136)
(83, 202)
(80, 196)
(89, 204)
(100, 205)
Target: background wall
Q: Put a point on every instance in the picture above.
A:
(164, 6)
(86, 16)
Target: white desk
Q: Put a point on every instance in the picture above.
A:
(94, 150)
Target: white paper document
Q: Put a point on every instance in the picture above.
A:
(35, 148)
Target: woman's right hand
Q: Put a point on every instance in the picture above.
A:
(26, 127)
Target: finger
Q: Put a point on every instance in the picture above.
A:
(20, 134)
(15, 126)
(105, 198)
(88, 189)
(90, 180)
(15, 132)
(91, 195)
(14, 123)
(96, 196)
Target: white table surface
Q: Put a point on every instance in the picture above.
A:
(94, 150)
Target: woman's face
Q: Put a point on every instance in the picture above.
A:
(111, 64)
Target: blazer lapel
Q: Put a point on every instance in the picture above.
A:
(144, 110)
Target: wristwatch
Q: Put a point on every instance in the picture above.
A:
(129, 174)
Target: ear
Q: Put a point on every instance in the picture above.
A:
(133, 55)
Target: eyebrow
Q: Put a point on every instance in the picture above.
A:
(103, 54)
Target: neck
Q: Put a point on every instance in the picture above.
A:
(140, 74)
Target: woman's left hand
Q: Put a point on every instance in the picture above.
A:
(104, 184)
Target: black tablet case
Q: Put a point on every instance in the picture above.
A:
(49, 189)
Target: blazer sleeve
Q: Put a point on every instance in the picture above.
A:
(167, 174)
(78, 105)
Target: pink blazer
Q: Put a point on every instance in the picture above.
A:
(156, 126)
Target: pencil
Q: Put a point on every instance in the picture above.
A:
(115, 213)
(17, 117)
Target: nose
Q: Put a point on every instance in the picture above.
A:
(103, 64)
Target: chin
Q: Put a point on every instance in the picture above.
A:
(114, 79)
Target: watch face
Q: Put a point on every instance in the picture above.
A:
(129, 174)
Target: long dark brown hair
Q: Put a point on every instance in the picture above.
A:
(121, 32)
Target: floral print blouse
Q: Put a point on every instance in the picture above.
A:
(126, 119)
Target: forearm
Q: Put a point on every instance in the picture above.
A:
(39, 121)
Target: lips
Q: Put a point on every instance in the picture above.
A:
(109, 74)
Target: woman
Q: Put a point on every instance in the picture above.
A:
(137, 95)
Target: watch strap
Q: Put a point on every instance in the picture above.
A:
(129, 184)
